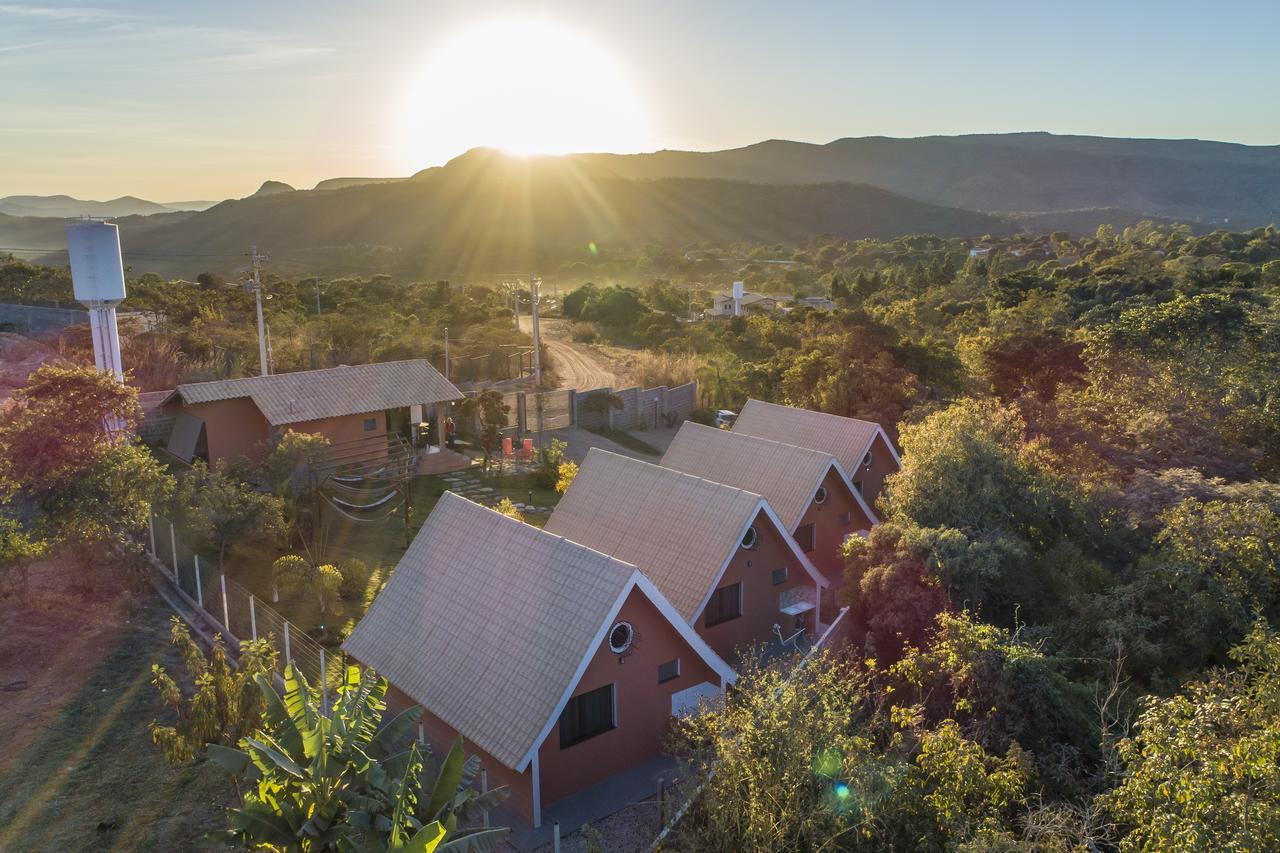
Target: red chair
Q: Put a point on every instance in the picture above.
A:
(528, 448)
(506, 446)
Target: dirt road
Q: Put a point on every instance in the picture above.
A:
(576, 365)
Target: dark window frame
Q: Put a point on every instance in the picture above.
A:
(670, 676)
(578, 712)
(718, 609)
(370, 424)
(811, 535)
(786, 573)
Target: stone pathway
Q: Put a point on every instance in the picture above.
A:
(472, 487)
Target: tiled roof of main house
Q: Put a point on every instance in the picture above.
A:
(786, 475)
(679, 529)
(287, 398)
(488, 623)
(847, 439)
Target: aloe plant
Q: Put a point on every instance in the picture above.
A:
(344, 782)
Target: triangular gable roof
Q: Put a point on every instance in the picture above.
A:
(489, 623)
(847, 439)
(786, 476)
(680, 530)
(309, 395)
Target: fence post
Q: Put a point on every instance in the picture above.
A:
(324, 686)
(484, 789)
(422, 734)
(226, 611)
(287, 656)
(555, 837)
(173, 543)
(253, 618)
(151, 532)
(662, 801)
(199, 586)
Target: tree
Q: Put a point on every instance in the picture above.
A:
(1202, 770)
(222, 509)
(296, 575)
(227, 703)
(568, 470)
(1235, 544)
(342, 781)
(895, 599)
(491, 410)
(508, 508)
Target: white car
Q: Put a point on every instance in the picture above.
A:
(725, 419)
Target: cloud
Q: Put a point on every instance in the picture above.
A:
(67, 14)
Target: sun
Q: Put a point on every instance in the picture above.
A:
(523, 85)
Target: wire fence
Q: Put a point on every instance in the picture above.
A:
(236, 612)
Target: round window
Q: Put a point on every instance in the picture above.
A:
(866, 460)
(820, 496)
(620, 638)
(750, 539)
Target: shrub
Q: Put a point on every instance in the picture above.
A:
(584, 333)
(355, 579)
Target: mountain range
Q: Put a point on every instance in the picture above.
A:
(486, 212)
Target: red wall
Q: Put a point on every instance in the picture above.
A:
(872, 476)
(643, 705)
(829, 532)
(233, 428)
(759, 596)
(344, 427)
(441, 736)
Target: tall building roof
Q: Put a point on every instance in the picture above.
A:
(847, 439)
(286, 398)
(680, 530)
(786, 475)
(489, 623)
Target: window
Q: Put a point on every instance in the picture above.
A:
(867, 460)
(820, 496)
(620, 638)
(669, 670)
(587, 715)
(805, 537)
(725, 604)
(370, 424)
(845, 519)
(857, 486)
(780, 575)
(751, 538)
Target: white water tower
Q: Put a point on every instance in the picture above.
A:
(737, 298)
(97, 277)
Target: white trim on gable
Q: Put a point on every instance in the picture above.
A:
(857, 495)
(880, 433)
(762, 506)
(690, 636)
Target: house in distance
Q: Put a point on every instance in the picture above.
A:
(808, 489)
(862, 448)
(229, 418)
(559, 666)
(718, 553)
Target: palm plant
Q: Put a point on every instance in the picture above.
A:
(341, 782)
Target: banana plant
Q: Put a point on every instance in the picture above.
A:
(344, 782)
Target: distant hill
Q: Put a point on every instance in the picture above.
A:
(273, 188)
(32, 237)
(485, 212)
(343, 183)
(198, 204)
(1209, 182)
(66, 206)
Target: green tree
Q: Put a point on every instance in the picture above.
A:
(341, 781)
(1202, 769)
(491, 411)
(221, 509)
(296, 575)
(227, 703)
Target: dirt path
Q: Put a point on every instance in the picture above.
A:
(576, 366)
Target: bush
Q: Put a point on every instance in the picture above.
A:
(355, 579)
(654, 369)
(584, 333)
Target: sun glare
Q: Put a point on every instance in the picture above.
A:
(526, 86)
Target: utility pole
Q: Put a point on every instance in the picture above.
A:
(446, 353)
(317, 297)
(534, 281)
(256, 287)
(515, 300)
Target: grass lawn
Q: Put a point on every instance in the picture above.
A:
(78, 771)
(377, 544)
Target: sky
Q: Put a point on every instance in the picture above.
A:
(174, 100)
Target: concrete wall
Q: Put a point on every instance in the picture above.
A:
(638, 407)
(643, 705)
(234, 428)
(344, 427)
(754, 568)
